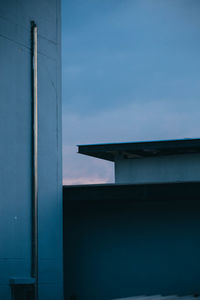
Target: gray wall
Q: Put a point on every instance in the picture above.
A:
(15, 150)
(126, 240)
(171, 168)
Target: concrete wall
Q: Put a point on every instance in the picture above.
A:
(15, 150)
(125, 240)
(171, 168)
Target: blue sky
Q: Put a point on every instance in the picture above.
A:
(131, 71)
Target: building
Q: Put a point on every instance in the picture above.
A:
(139, 236)
(128, 240)
(136, 237)
(151, 162)
(30, 240)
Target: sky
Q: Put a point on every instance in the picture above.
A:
(130, 72)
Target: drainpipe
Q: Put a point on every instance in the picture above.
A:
(34, 265)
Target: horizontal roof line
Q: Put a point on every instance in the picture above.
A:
(141, 149)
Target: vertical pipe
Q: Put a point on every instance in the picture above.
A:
(34, 270)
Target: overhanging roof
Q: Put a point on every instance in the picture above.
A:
(141, 149)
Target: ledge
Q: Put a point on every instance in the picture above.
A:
(22, 281)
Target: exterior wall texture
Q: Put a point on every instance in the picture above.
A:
(16, 146)
(128, 240)
(171, 168)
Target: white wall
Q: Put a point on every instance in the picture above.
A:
(172, 168)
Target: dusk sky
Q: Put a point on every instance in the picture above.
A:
(131, 72)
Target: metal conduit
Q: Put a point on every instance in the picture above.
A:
(34, 266)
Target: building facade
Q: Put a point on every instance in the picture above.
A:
(128, 240)
(16, 153)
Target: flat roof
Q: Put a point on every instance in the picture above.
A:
(141, 149)
(145, 192)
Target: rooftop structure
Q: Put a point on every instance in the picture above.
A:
(141, 149)
(151, 161)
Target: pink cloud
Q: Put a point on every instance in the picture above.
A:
(84, 180)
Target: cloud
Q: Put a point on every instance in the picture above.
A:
(80, 169)
(84, 180)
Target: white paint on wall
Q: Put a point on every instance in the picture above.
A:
(171, 168)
